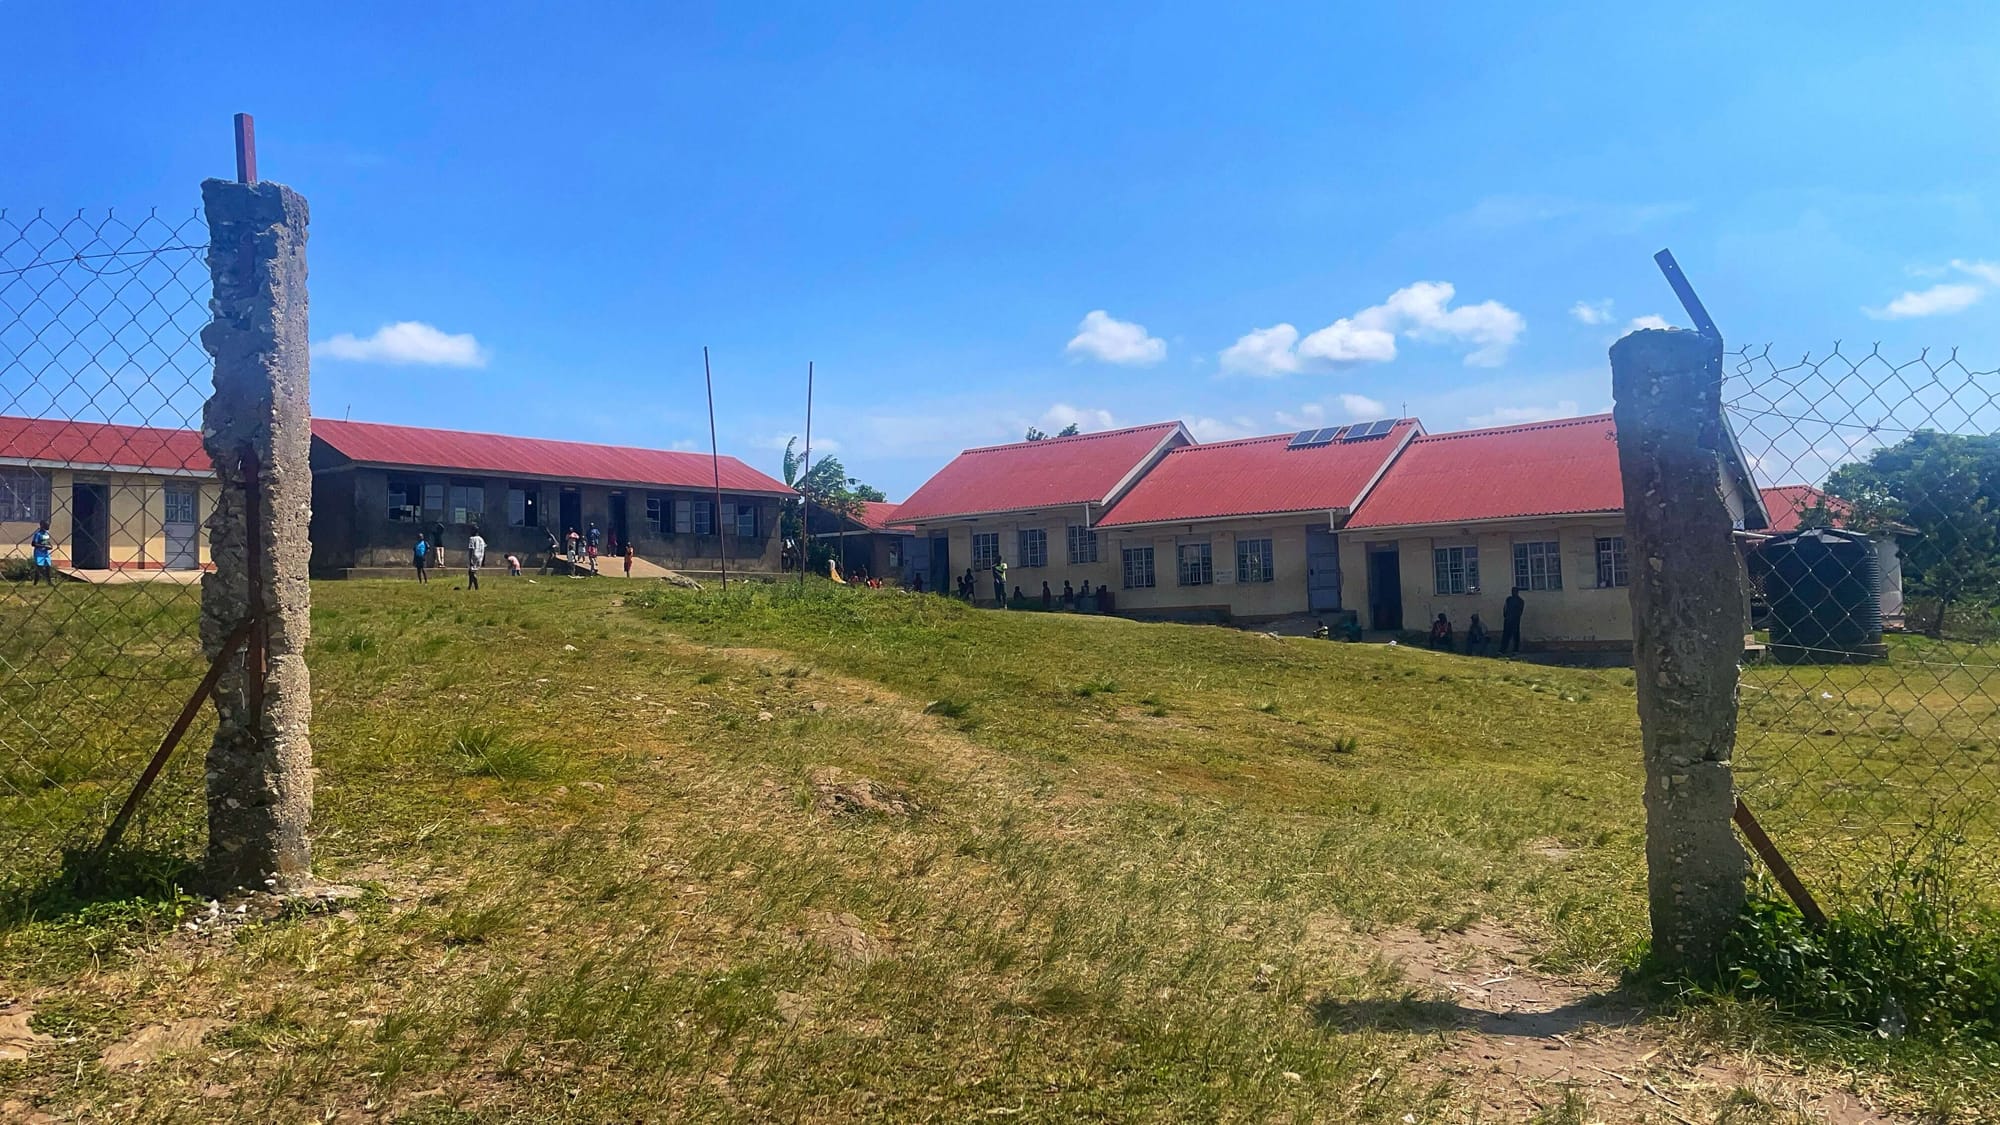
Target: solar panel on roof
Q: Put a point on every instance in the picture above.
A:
(1361, 430)
(1302, 439)
(1308, 439)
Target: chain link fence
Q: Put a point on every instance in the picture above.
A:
(104, 493)
(1868, 739)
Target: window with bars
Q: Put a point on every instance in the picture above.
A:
(1197, 564)
(985, 549)
(659, 512)
(741, 519)
(1253, 560)
(1034, 547)
(1082, 545)
(524, 505)
(433, 500)
(1611, 566)
(1138, 568)
(1538, 565)
(466, 501)
(179, 506)
(1456, 570)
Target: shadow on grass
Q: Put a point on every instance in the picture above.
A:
(129, 875)
(1620, 1008)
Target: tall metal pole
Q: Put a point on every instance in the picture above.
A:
(805, 474)
(715, 460)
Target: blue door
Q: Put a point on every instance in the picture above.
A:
(1322, 570)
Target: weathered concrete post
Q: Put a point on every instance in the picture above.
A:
(260, 766)
(1687, 610)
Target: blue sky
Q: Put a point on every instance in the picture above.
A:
(1282, 213)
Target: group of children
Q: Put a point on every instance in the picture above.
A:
(1069, 599)
(1476, 635)
(578, 548)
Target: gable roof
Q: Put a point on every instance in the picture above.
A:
(59, 443)
(1258, 476)
(1564, 467)
(876, 514)
(1085, 469)
(381, 444)
(1787, 503)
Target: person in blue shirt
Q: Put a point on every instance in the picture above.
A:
(421, 558)
(44, 546)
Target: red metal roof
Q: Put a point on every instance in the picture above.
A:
(1256, 476)
(55, 442)
(1787, 502)
(377, 443)
(1562, 467)
(876, 514)
(1035, 474)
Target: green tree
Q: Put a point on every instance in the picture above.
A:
(1071, 430)
(1945, 490)
(830, 488)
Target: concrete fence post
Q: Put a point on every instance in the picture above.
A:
(1687, 608)
(260, 765)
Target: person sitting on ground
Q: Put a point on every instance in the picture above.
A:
(1475, 637)
(1019, 598)
(1048, 596)
(1441, 633)
(917, 582)
(420, 557)
(1068, 595)
(1322, 632)
(43, 545)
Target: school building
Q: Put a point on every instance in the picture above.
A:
(119, 499)
(862, 540)
(376, 487)
(1380, 520)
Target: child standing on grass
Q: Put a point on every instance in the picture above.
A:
(44, 546)
(420, 557)
(475, 557)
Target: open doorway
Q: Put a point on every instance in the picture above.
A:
(90, 526)
(1385, 587)
(618, 529)
(569, 510)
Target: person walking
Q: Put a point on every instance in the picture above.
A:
(628, 560)
(590, 552)
(420, 557)
(575, 544)
(999, 583)
(44, 545)
(1510, 622)
(475, 557)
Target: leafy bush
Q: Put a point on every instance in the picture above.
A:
(16, 570)
(1920, 956)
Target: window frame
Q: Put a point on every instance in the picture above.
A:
(429, 512)
(984, 559)
(1126, 557)
(464, 488)
(1198, 570)
(1460, 559)
(1082, 541)
(530, 505)
(1549, 553)
(1266, 572)
(411, 489)
(701, 516)
(1031, 545)
(660, 513)
(174, 494)
(1613, 562)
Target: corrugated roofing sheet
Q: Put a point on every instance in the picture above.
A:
(103, 446)
(875, 514)
(378, 443)
(1255, 476)
(1787, 502)
(1539, 469)
(1034, 474)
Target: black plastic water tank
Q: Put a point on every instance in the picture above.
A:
(1824, 587)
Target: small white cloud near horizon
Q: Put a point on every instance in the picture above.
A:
(405, 343)
(1104, 337)
(1361, 408)
(1420, 312)
(1062, 415)
(1518, 415)
(1650, 320)
(1591, 312)
(1938, 300)
(1222, 429)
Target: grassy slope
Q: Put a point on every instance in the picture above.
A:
(1132, 890)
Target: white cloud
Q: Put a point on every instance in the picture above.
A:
(1516, 415)
(1420, 312)
(1062, 415)
(406, 342)
(1988, 272)
(685, 445)
(1311, 416)
(1361, 408)
(1938, 300)
(1104, 337)
(1591, 312)
(1264, 351)
(1650, 320)
(821, 443)
(1223, 429)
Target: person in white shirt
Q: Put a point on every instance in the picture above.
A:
(475, 557)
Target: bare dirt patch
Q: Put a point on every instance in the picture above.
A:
(837, 793)
(157, 1040)
(1518, 1043)
(18, 1040)
(843, 937)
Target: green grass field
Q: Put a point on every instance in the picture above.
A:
(635, 853)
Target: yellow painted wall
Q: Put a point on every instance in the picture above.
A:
(137, 518)
(1580, 613)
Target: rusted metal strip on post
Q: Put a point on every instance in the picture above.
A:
(140, 788)
(255, 656)
(1795, 889)
(246, 149)
(1684, 289)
